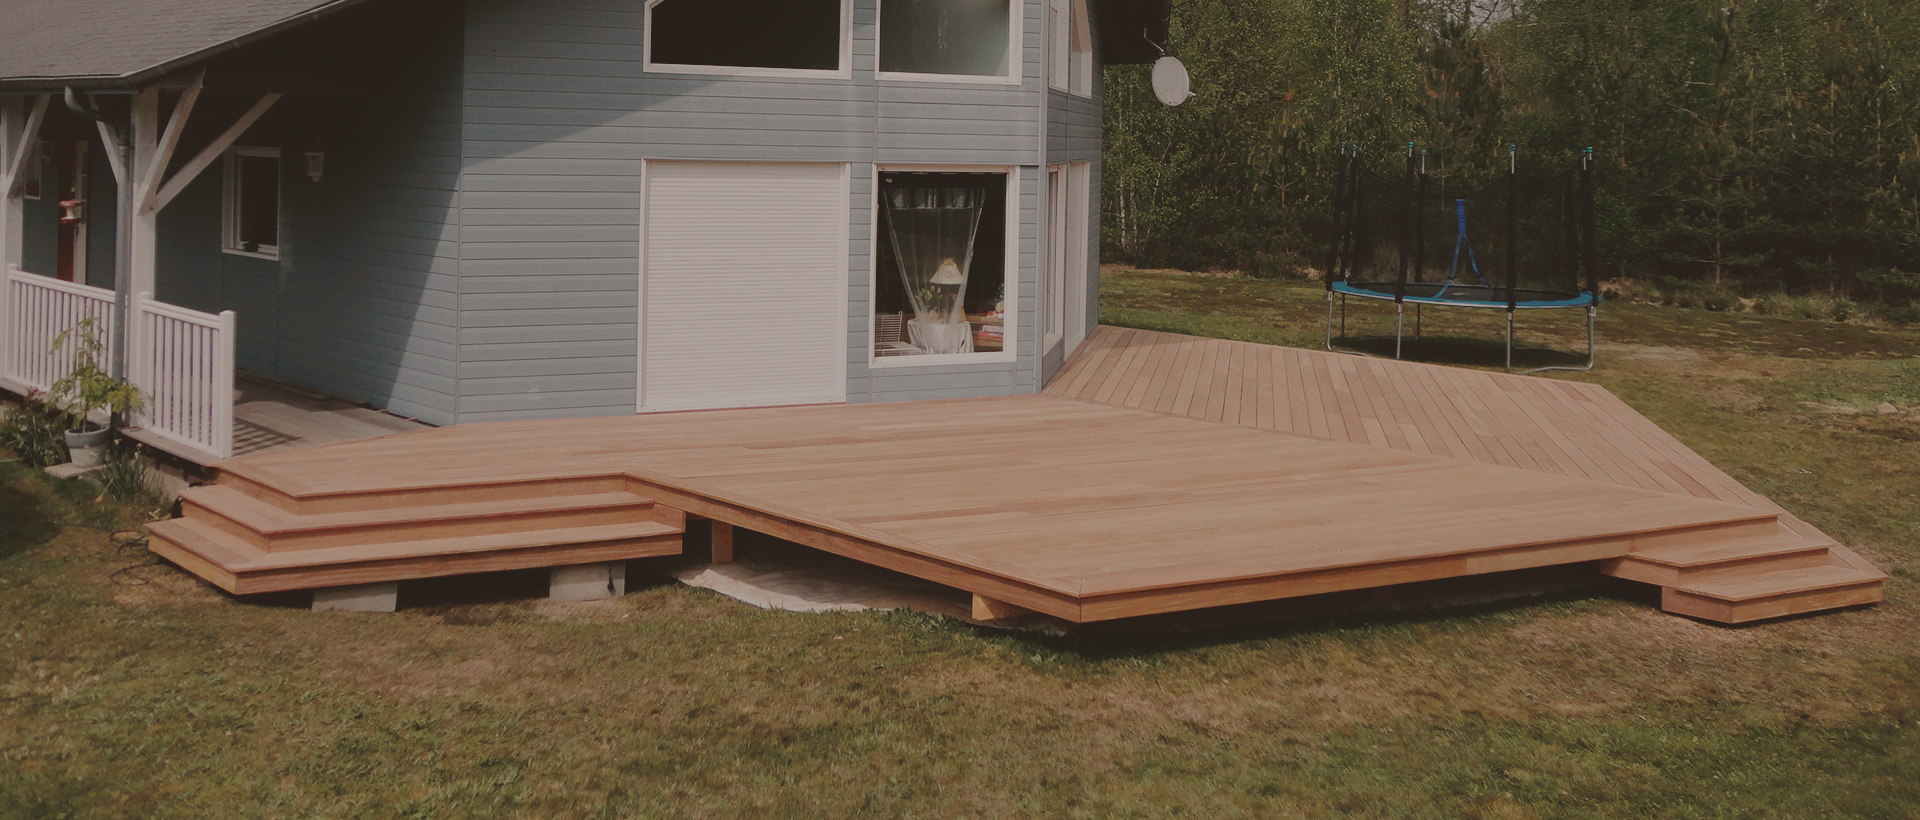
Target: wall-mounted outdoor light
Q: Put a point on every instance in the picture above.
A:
(316, 164)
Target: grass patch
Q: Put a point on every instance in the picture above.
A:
(128, 689)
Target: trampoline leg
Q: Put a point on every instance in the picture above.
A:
(1399, 326)
(1416, 319)
(1591, 312)
(1509, 340)
(1329, 324)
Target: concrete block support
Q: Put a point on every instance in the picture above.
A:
(362, 598)
(587, 582)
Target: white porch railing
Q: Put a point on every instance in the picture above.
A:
(39, 308)
(182, 360)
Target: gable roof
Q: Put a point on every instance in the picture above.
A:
(123, 44)
(115, 44)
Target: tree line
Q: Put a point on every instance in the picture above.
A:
(1750, 144)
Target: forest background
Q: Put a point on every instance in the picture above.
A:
(1744, 146)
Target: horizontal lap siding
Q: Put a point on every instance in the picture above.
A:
(371, 307)
(559, 116)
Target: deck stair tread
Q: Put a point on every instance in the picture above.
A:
(1780, 582)
(270, 519)
(238, 556)
(1688, 556)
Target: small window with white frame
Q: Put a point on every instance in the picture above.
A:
(31, 173)
(951, 40)
(251, 205)
(1079, 50)
(1059, 39)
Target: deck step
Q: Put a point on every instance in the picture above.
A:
(320, 499)
(1774, 594)
(275, 529)
(1679, 564)
(242, 568)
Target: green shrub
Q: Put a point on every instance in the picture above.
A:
(126, 476)
(1841, 310)
(1773, 304)
(1719, 298)
(32, 430)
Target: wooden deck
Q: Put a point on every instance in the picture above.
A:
(1160, 474)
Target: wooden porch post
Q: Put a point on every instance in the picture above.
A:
(151, 189)
(19, 131)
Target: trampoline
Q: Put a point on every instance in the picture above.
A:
(1522, 242)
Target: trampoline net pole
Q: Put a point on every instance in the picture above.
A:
(1593, 270)
(1513, 233)
(1407, 211)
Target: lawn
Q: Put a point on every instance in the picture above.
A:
(128, 689)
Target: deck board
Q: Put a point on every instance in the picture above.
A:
(1539, 425)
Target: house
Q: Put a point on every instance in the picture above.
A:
(468, 210)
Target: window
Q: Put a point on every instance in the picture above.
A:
(941, 275)
(1080, 50)
(251, 205)
(1058, 40)
(954, 38)
(1055, 298)
(31, 173)
(769, 37)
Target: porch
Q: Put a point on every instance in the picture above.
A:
(183, 362)
(1271, 473)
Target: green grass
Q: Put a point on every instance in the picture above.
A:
(128, 689)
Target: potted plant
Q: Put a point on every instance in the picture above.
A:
(86, 388)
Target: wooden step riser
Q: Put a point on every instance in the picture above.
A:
(421, 530)
(1634, 569)
(401, 569)
(402, 498)
(191, 561)
(1680, 602)
(1722, 533)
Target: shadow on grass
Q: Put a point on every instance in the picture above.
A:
(24, 523)
(1462, 350)
(1452, 600)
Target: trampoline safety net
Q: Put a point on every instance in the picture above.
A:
(1523, 240)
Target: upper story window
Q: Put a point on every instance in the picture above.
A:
(251, 205)
(1058, 37)
(957, 39)
(760, 37)
(1080, 50)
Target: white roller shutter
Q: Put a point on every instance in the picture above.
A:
(743, 295)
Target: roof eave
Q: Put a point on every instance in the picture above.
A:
(136, 80)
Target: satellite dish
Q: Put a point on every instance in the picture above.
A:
(1170, 81)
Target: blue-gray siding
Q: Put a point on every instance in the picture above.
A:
(472, 252)
(559, 118)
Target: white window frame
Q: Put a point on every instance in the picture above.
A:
(1053, 284)
(1059, 43)
(34, 173)
(1080, 51)
(230, 203)
(1016, 57)
(1010, 286)
(843, 72)
(1079, 265)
